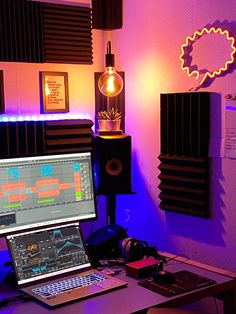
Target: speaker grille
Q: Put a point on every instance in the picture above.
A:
(184, 161)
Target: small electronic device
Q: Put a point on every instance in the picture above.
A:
(143, 267)
(164, 277)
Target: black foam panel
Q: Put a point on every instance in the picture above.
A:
(184, 161)
(107, 14)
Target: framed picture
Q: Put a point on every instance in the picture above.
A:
(2, 102)
(54, 92)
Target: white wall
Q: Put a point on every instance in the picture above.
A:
(148, 50)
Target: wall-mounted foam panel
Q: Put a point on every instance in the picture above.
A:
(31, 138)
(67, 34)
(107, 14)
(68, 136)
(21, 31)
(32, 31)
(184, 161)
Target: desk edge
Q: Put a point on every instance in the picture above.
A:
(199, 264)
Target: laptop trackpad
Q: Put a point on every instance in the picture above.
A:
(109, 283)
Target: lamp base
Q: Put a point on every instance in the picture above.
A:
(110, 132)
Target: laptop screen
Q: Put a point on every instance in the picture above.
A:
(47, 252)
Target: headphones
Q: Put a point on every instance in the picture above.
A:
(132, 249)
(112, 241)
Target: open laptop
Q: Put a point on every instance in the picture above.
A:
(52, 265)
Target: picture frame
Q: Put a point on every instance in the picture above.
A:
(54, 92)
(2, 100)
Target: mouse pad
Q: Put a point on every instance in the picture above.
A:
(185, 281)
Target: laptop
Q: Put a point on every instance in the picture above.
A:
(52, 265)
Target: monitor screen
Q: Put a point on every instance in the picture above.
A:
(45, 190)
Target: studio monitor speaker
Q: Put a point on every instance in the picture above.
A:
(112, 163)
(107, 14)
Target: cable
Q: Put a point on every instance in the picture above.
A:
(18, 298)
(153, 251)
(91, 228)
(173, 258)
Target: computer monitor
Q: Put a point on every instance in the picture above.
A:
(46, 190)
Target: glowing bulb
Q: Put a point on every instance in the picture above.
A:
(110, 82)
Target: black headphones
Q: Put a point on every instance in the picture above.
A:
(132, 249)
(112, 241)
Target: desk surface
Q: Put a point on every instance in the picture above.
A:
(134, 298)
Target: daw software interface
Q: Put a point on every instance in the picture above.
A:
(48, 252)
(45, 190)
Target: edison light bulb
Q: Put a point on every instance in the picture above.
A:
(110, 82)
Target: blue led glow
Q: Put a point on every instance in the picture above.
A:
(41, 117)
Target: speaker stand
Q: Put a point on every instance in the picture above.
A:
(111, 209)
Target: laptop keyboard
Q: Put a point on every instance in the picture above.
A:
(68, 284)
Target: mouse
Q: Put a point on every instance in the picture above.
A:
(164, 277)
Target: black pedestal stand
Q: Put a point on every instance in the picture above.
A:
(111, 209)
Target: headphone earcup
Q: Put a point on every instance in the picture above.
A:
(136, 252)
(123, 246)
(132, 249)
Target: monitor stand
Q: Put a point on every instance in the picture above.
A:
(111, 209)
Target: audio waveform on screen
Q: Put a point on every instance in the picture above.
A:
(68, 246)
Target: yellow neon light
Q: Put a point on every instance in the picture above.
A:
(195, 37)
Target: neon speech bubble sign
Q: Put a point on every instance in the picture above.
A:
(190, 41)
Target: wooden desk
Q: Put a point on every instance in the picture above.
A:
(136, 299)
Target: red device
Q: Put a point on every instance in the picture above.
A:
(143, 267)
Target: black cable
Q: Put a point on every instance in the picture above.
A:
(18, 298)
(152, 251)
(173, 258)
(91, 228)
